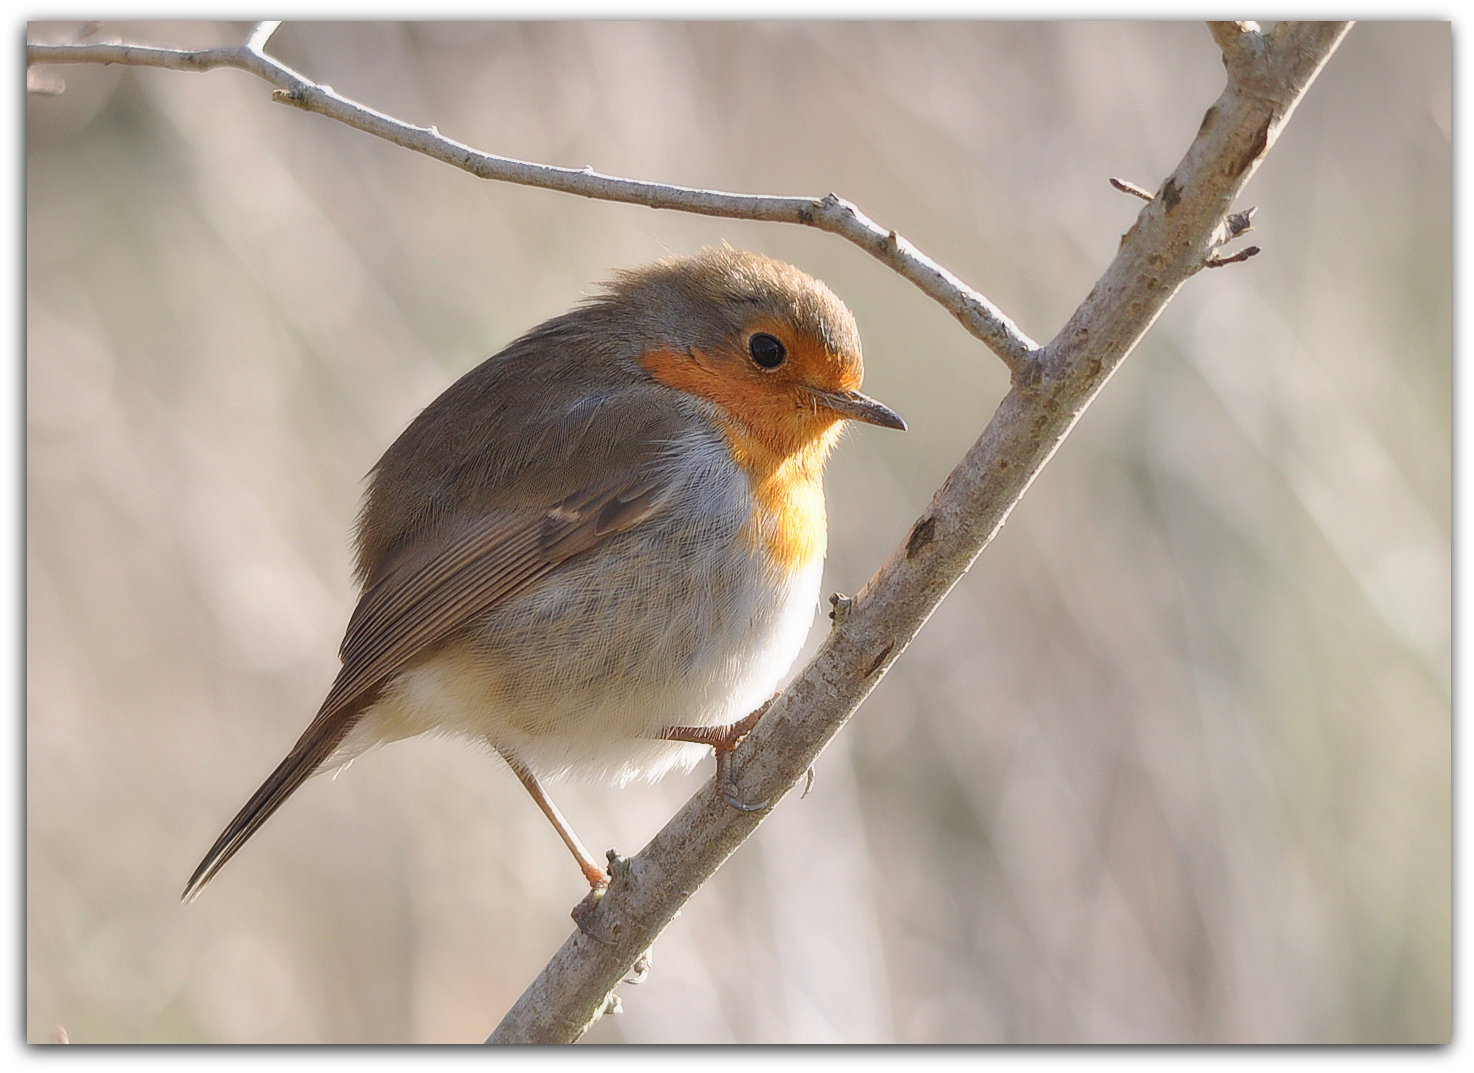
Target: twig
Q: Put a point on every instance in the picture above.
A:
(260, 34)
(829, 213)
(1243, 255)
(1128, 187)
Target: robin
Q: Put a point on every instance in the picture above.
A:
(599, 548)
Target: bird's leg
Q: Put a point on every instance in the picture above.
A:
(724, 741)
(590, 867)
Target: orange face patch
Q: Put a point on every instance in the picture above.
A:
(774, 405)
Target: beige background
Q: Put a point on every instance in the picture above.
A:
(1171, 764)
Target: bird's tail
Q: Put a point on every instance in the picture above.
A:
(314, 747)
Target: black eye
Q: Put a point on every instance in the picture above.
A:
(766, 350)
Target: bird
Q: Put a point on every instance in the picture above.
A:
(598, 552)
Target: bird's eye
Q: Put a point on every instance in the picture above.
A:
(766, 350)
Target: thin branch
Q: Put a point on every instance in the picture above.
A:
(1238, 258)
(829, 213)
(1128, 187)
(260, 34)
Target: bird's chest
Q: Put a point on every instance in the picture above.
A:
(744, 547)
(755, 595)
(733, 569)
(692, 617)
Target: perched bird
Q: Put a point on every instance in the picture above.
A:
(601, 548)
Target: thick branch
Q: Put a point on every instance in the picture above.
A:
(1173, 237)
(829, 213)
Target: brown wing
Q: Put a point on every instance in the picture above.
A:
(420, 598)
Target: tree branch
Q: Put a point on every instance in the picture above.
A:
(1174, 236)
(829, 213)
(1177, 233)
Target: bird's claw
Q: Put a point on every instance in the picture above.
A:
(727, 785)
(730, 797)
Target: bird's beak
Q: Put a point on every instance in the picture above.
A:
(858, 407)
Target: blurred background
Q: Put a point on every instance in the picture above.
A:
(1172, 763)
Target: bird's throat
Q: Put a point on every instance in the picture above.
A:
(788, 497)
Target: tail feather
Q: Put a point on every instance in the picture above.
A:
(314, 747)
